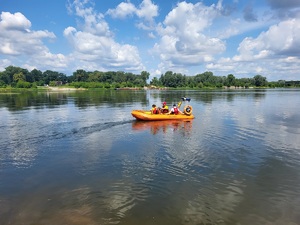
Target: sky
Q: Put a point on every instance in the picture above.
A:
(238, 37)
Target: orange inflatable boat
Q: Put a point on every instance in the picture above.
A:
(147, 115)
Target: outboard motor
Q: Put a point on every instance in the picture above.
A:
(186, 99)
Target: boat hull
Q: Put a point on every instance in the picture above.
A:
(146, 115)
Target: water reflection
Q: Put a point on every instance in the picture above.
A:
(163, 126)
(21, 100)
(82, 99)
(236, 163)
(226, 95)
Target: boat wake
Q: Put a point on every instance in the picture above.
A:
(83, 131)
(23, 140)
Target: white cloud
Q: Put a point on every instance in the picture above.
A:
(274, 53)
(183, 42)
(4, 63)
(95, 47)
(17, 25)
(15, 21)
(146, 11)
(151, 35)
(282, 39)
(19, 41)
(190, 38)
(123, 10)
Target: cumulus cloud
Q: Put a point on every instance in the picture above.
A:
(146, 11)
(123, 10)
(15, 21)
(183, 40)
(17, 25)
(280, 39)
(190, 37)
(18, 40)
(274, 53)
(94, 45)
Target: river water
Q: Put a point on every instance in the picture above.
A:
(81, 158)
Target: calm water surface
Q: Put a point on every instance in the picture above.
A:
(81, 158)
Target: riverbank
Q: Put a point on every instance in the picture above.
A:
(63, 89)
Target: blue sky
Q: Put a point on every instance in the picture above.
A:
(244, 38)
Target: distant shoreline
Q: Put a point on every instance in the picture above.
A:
(64, 89)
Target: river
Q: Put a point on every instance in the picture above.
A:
(79, 157)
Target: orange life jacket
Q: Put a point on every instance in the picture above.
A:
(155, 111)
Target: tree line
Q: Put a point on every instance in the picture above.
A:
(209, 80)
(22, 78)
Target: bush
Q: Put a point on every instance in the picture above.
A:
(2, 84)
(23, 84)
(200, 85)
(107, 85)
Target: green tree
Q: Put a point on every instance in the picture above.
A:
(207, 78)
(145, 76)
(168, 80)
(23, 84)
(139, 82)
(200, 85)
(52, 83)
(4, 79)
(190, 82)
(129, 77)
(155, 82)
(94, 77)
(10, 71)
(120, 77)
(80, 75)
(231, 80)
(54, 76)
(260, 81)
(18, 77)
(37, 76)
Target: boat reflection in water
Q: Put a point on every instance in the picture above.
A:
(163, 125)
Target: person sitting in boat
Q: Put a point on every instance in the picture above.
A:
(165, 108)
(154, 110)
(175, 110)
